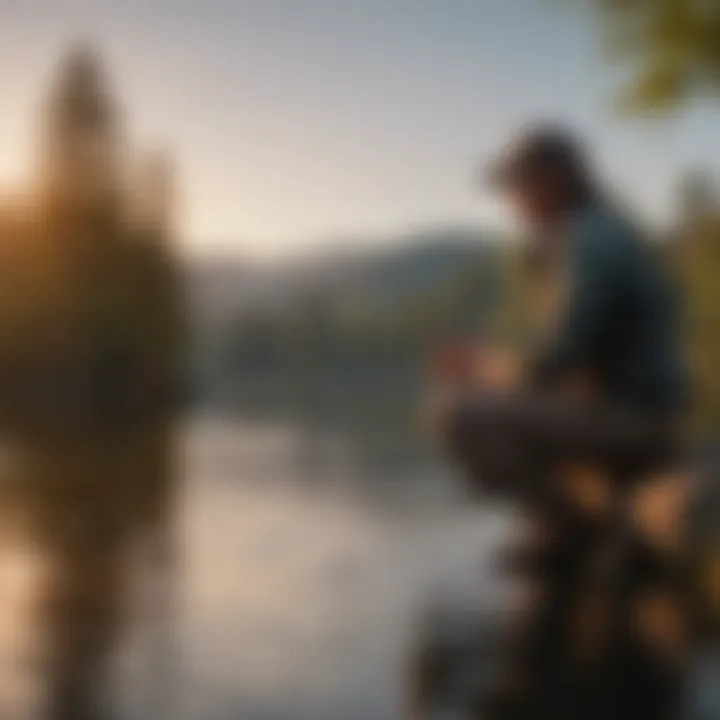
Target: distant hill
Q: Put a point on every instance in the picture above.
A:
(421, 285)
(421, 267)
(412, 265)
(357, 305)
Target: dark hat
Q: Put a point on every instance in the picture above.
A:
(534, 151)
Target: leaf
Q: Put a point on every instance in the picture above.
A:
(659, 88)
(670, 47)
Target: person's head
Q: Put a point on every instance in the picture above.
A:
(545, 174)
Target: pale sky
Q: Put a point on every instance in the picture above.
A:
(297, 121)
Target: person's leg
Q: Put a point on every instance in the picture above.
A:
(538, 674)
(506, 438)
(524, 445)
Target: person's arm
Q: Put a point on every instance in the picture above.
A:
(597, 279)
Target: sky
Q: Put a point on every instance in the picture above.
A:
(298, 123)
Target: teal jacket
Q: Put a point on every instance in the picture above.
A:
(620, 320)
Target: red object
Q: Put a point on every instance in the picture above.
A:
(454, 363)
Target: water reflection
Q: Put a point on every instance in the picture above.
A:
(91, 356)
(302, 601)
(280, 600)
(75, 513)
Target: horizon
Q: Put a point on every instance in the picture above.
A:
(355, 246)
(293, 127)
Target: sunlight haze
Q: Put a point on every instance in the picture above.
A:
(296, 122)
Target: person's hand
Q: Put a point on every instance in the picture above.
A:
(472, 367)
(498, 369)
(454, 365)
(452, 374)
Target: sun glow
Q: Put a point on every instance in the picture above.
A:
(14, 166)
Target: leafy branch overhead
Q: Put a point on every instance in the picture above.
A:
(670, 48)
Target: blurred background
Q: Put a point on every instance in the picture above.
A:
(230, 235)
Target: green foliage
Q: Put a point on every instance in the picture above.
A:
(697, 255)
(671, 52)
(671, 49)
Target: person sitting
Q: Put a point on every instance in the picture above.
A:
(575, 430)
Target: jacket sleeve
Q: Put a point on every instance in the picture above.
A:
(579, 342)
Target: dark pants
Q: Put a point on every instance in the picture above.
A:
(513, 445)
(500, 436)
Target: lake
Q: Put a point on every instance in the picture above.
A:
(297, 584)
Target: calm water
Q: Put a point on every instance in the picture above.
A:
(296, 588)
